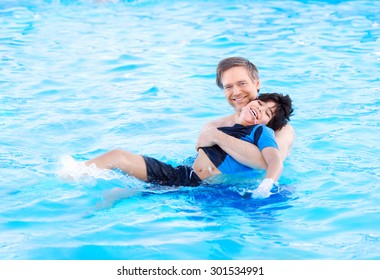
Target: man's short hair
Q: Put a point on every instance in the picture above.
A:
(236, 61)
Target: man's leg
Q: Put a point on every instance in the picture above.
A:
(127, 162)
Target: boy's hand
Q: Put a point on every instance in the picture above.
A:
(263, 190)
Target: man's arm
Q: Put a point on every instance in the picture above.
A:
(242, 151)
(225, 121)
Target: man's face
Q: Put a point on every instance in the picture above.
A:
(239, 88)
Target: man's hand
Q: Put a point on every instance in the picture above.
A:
(210, 132)
(207, 137)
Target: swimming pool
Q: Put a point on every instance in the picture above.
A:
(79, 78)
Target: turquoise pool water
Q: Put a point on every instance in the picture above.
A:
(78, 78)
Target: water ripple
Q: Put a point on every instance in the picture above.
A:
(79, 78)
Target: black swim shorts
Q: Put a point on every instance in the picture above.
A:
(164, 174)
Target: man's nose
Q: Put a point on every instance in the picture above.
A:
(236, 89)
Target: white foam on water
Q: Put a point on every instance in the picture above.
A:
(70, 169)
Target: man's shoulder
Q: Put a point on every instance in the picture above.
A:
(225, 121)
(287, 131)
(285, 137)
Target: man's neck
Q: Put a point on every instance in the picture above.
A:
(236, 116)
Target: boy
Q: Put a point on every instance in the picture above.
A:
(255, 124)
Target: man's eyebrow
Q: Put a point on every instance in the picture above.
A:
(237, 82)
(231, 84)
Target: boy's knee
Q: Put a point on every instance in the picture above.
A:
(118, 152)
(121, 156)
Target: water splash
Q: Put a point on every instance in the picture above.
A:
(73, 170)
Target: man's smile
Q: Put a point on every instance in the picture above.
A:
(239, 98)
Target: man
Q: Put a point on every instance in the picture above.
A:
(239, 79)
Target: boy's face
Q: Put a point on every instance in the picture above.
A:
(238, 86)
(257, 112)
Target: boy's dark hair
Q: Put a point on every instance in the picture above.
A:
(230, 62)
(283, 109)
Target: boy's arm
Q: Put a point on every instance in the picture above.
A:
(273, 159)
(274, 162)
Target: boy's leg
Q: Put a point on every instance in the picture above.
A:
(127, 162)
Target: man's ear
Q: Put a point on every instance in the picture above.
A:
(258, 86)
